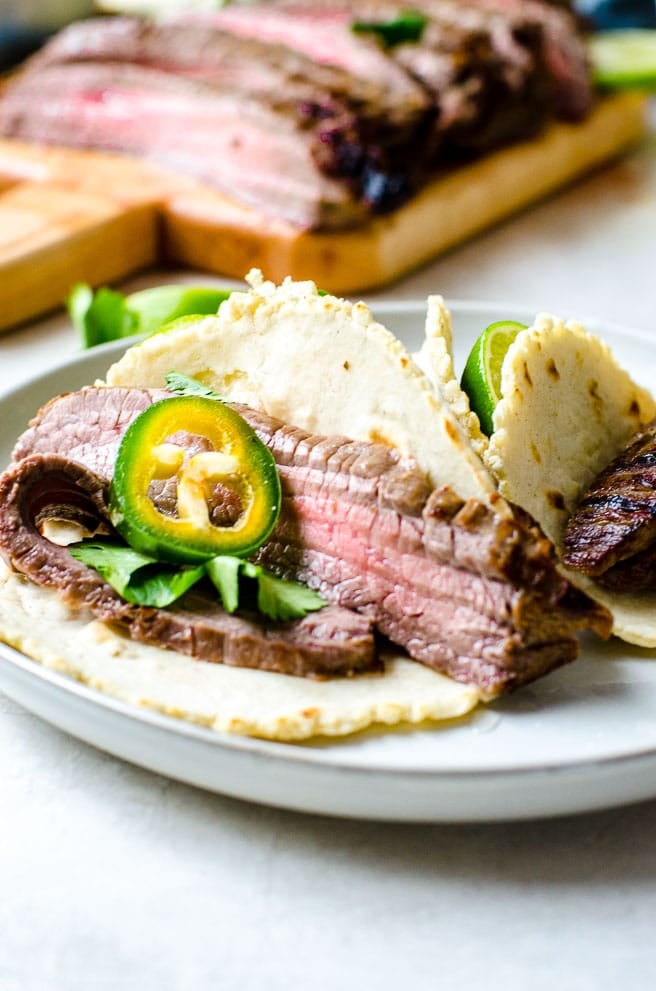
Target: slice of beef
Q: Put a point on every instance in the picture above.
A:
(360, 122)
(611, 535)
(86, 426)
(512, 25)
(264, 155)
(461, 588)
(324, 38)
(565, 52)
(484, 75)
(334, 641)
(215, 48)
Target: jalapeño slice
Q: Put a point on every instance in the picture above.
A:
(238, 471)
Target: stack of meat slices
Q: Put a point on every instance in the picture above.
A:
(286, 108)
(463, 589)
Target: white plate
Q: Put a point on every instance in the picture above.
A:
(580, 739)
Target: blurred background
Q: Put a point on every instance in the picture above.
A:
(25, 24)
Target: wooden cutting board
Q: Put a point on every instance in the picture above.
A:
(68, 216)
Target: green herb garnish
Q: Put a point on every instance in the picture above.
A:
(136, 577)
(409, 25)
(145, 581)
(276, 598)
(184, 385)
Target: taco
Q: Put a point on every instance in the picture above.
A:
(568, 409)
(434, 596)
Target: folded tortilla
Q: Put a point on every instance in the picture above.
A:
(568, 409)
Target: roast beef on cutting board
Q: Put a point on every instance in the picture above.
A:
(459, 587)
(290, 111)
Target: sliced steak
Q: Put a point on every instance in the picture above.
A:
(86, 426)
(484, 75)
(324, 38)
(360, 123)
(611, 535)
(244, 146)
(511, 25)
(285, 108)
(226, 48)
(334, 641)
(565, 52)
(462, 589)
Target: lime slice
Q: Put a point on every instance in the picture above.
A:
(624, 59)
(481, 379)
(162, 304)
(107, 315)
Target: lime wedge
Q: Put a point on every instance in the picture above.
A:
(107, 315)
(159, 306)
(624, 59)
(481, 379)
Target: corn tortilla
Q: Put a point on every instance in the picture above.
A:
(226, 699)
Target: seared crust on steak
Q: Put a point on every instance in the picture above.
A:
(611, 535)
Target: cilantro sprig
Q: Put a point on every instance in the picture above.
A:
(184, 385)
(408, 25)
(143, 580)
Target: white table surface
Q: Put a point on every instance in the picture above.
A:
(115, 878)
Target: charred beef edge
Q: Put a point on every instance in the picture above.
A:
(611, 534)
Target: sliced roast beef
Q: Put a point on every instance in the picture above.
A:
(325, 39)
(565, 51)
(335, 641)
(231, 139)
(485, 76)
(359, 122)
(462, 589)
(212, 47)
(286, 108)
(512, 26)
(611, 535)
(84, 429)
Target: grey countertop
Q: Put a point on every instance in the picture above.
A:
(116, 878)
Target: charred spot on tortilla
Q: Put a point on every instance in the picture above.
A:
(557, 500)
(552, 369)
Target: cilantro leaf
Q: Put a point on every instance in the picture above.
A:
(183, 385)
(136, 577)
(278, 599)
(284, 600)
(409, 25)
(145, 581)
(223, 572)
